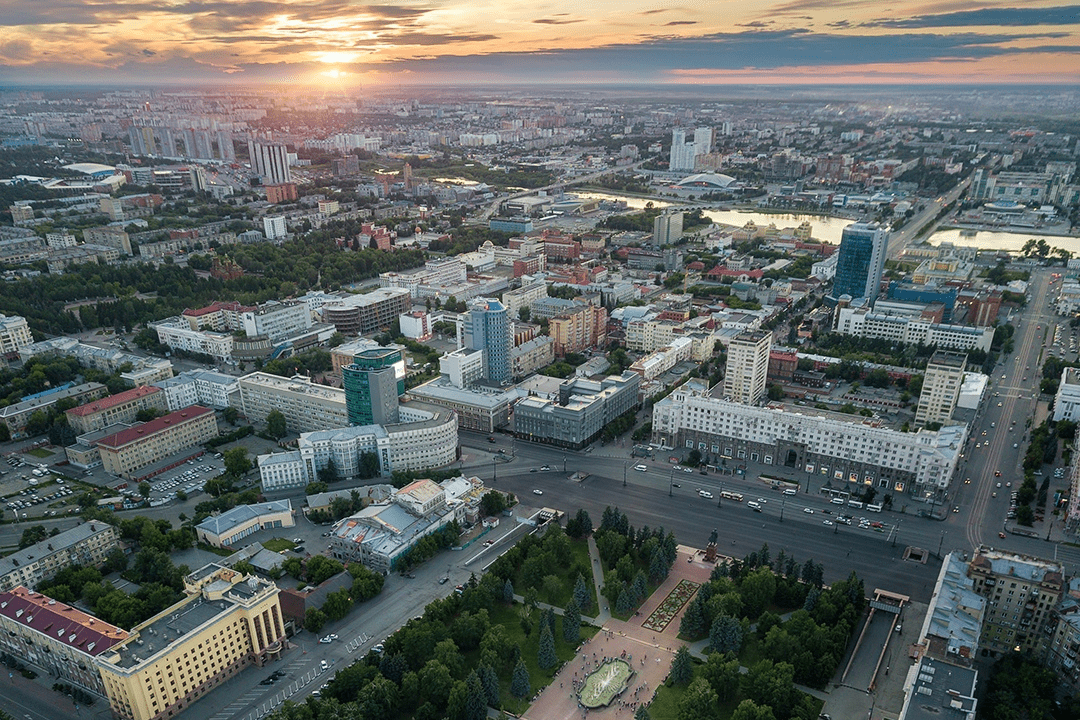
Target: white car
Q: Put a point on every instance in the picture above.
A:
(827, 522)
(640, 468)
(808, 511)
(705, 494)
(538, 492)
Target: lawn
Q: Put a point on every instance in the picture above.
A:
(278, 544)
(39, 453)
(509, 618)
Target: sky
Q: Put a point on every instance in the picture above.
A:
(339, 43)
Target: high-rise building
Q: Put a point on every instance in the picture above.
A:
(747, 366)
(372, 386)
(703, 138)
(941, 387)
(270, 161)
(861, 261)
(486, 327)
(274, 227)
(683, 153)
(667, 228)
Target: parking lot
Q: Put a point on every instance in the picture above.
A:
(25, 486)
(189, 477)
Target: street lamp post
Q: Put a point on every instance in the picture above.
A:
(494, 470)
(720, 496)
(671, 480)
(783, 502)
(564, 463)
(940, 543)
(624, 474)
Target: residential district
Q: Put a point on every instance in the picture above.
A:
(325, 401)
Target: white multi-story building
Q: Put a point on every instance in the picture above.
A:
(59, 240)
(425, 438)
(274, 227)
(14, 334)
(277, 320)
(439, 272)
(849, 452)
(415, 325)
(747, 366)
(942, 381)
(178, 335)
(861, 321)
(1067, 400)
(524, 296)
(463, 367)
(305, 405)
(199, 387)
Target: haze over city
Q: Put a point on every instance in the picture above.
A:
(341, 43)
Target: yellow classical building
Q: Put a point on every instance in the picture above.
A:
(228, 621)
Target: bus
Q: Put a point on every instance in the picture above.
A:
(874, 508)
(727, 495)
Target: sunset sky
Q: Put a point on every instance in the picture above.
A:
(331, 42)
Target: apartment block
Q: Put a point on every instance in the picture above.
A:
(861, 321)
(305, 405)
(119, 408)
(85, 544)
(579, 329)
(14, 334)
(126, 452)
(199, 387)
(16, 416)
(480, 409)
(57, 637)
(227, 622)
(941, 388)
(747, 366)
(1022, 593)
(110, 236)
(524, 296)
(531, 355)
(369, 312)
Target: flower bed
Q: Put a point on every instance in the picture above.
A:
(667, 610)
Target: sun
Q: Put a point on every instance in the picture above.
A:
(334, 73)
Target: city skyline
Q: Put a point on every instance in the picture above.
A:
(338, 44)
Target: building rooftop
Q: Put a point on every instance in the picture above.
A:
(146, 429)
(957, 611)
(441, 389)
(370, 298)
(49, 399)
(66, 539)
(948, 359)
(295, 384)
(1026, 567)
(941, 691)
(224, 522)
(113, 400)
(421, 490)
(218, 307)
(61, 622)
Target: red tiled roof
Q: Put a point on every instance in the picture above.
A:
(216, 307)
(61, 622)
(113, 400)
(147, 429)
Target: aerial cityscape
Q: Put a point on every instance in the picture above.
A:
(437, 360)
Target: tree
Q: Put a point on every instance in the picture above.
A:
(681, 668)
(492, 503)
(490, 680)
(144, 489)
(314, 620)
(571, 623)
(508, 592)
(524, 313)
(582, 596)
(231, 415)
(520, 686)
(32, 535)
(722, 674)
(692, 624)
(237, 463)
(545, 656)
(726, 635)
(750, 710)
(699, 702)
(475, 699)
(776, 392)
(642, 713)
(276, 426)
(770, 684)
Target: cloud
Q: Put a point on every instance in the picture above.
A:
(681, 22)
(988, 17)
(555, 21)
(148, 53)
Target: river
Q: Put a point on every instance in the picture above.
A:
(829, 228)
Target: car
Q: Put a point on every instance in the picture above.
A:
(298, 540)
(1016, 445)
(323, 664)
(1008, 484)
(326, 640)
(538, 492)
(808, 511)
(999, 485)
(545, 468)
(978, 445)
(491, 439)
(705, 494)
(640, 468)
(956, 508)
(703, 471)
(688, 470)
(999, 404)
(443, 580)
(676, 467)
(828, 522)
(378, 648)
(984, 433)
(532, 469)
(997, 473)
(1001, 535)
(993, 424)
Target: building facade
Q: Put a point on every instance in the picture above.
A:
(56, 637)
(372, 386)
(18, 415)
(199, 387)
(86, 544)
(270, 161)
(747, 366)
(232, 526)
(126, 452)
(486, 327)
(861, 261)
(120, 408)
(14, 334)
(579, 415)
(862, 322)
(305, 405)
(1067, 400)
(576, 330)
(227, 621)
(1022, 593)
(942, 381)
(845, 451)
(367, 313)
